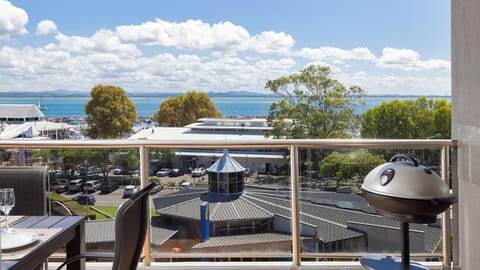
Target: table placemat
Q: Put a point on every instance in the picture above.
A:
(43, 234)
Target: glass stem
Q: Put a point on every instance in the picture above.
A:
(6, 222)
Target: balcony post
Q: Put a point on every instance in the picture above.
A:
(455, 219)
(294, 175)
(447, 242)
(143, 151)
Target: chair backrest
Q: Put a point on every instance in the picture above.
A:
(131, 224)
(29, 184)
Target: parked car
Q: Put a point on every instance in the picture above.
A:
(120, 171)
(61, 189)
(85, 199)
(92, 186)
(75, 185)
(129, 191)
(59, 185)
(198, 172)
(163, 172)
(108, 186)
(136, 173)
(186, 185)
(156, 189)
(176, 172)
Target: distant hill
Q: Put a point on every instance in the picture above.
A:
(82, 94)
(74, 93)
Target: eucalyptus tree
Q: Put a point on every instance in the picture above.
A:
(313, 105)
(185, 109)
(110, 113)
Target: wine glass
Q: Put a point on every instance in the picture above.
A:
(7, 202)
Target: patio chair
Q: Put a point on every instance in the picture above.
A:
(29, 184)
(131, 224)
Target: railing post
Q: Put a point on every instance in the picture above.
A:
(294, 175)
(455, 232)
(143, 151)
(447, 242)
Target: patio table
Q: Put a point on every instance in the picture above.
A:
(55, 232)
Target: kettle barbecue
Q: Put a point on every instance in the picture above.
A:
(405, 191)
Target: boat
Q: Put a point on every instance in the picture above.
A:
(43, 108)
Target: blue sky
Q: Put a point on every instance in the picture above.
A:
(385, 47)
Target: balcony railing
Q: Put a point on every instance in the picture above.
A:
(444, 146)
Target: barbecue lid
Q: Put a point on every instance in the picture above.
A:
(402, 177)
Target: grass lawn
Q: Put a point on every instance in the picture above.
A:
(110, 210)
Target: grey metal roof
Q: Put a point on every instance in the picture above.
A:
(326, 232)
(103, 231)
(226, 164)
(246, 239)
(178, 197)
(320, 209)
(99, 231)
(20, 111)
(221, 211)
(161, 235)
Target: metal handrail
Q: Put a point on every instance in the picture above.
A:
(289, 144)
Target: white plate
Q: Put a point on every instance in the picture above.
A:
(17, 239)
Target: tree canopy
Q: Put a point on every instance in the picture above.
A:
(185, 109)
(110, 113)
(313, 105)
(409, 119)
(349, 165)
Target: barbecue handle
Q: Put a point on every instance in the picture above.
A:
(404, 156)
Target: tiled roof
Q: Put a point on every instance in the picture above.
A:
(245, 239)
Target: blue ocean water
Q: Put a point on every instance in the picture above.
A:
(228, 106)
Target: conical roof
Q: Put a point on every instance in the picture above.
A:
(226, 164)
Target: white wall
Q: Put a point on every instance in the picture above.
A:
(466, 124)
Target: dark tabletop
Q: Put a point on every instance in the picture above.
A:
(72, 236)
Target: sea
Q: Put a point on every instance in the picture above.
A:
(57, 107)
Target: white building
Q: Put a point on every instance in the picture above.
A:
(26, 121)
(20, 113)
(220, 129)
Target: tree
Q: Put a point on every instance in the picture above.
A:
(345, 166)
(408, 119)
(110, 113)
(313, 105)
(185, 109)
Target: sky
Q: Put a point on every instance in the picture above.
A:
(385, 47)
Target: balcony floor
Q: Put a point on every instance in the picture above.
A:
(242, 265)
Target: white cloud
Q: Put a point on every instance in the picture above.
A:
(221, 39)
(271, 42)
(397, 84)
(336, 54)
(408, 60)
(189, 35)
(12, 20)
(46, 27)
(103, 41)
(194, 55)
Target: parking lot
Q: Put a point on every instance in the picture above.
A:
(115, 198)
